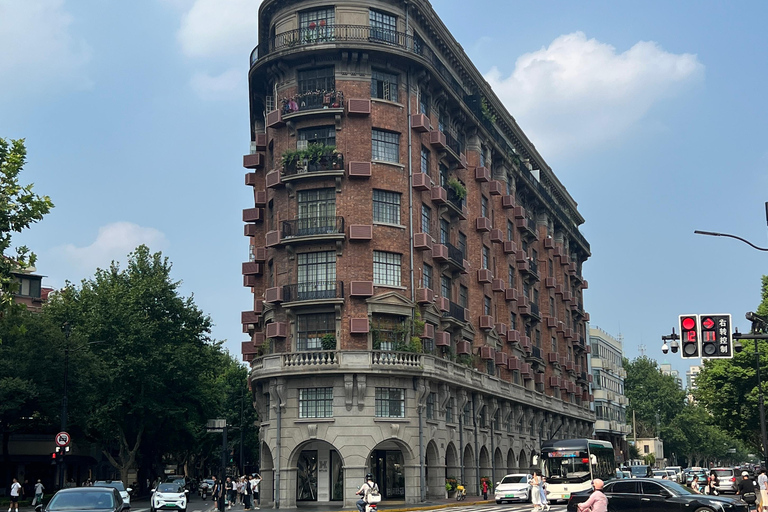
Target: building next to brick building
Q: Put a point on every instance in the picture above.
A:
(610, 404)
(415, 263)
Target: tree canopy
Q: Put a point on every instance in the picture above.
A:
(19, 208)
(728, 387)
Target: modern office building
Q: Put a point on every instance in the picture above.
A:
(608, 388)
(414, 262)
(690, 377)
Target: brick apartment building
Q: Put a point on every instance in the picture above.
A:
(414, 262)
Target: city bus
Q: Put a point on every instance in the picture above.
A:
(570, 465)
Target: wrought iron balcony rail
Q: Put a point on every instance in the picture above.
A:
(312, 100)
(312, 226)
(452, 141)
(455, 254)
(455, 311)
(535, 310)
(315, 290)
(333, 162)
(454, 198)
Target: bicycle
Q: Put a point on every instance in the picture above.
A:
(461, 493)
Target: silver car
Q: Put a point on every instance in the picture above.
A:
(726, 480)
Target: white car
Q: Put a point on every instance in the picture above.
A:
(514, 487)
(116, 484)
(169, 496)
(659, 474)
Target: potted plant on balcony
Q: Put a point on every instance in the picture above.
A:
(328, 342)
(458, 187)
(292, 160)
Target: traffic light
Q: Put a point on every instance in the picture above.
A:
(689, 336)
(716, 339)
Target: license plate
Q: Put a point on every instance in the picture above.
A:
(509, 496)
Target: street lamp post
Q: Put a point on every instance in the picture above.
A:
(758, 324)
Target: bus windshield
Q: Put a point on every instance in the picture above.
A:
(570, 467)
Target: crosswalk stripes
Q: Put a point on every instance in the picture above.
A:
(517, 507)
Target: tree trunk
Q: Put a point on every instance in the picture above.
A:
(126, 456)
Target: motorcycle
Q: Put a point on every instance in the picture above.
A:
(204, 491)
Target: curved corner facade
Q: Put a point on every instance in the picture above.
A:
(415, 264)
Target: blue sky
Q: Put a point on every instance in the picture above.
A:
(652, 114)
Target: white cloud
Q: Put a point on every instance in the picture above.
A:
(39, 52)
(229, 84)
(113, 242)
(580, 94)
(219, 28)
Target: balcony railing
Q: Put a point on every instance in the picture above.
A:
(312, 226)
(455, 255)
(333, 33)
(452, 141)
(536, 353)
(315, 290)
(456, 312)
(390, 358)
(315, 358)
(454, 199)
(333, 162)
(314, 100)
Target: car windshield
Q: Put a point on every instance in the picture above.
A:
(86, 500)
(514, 479)
(679, 489)
(168, 488)
(640, 471)
(115, 485)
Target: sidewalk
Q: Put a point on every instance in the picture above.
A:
(391, 506)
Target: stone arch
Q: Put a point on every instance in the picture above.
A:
(267, 471)
(486, 469)
(511, 461)
(470, 474)
(303, 467)
(435, 472)
(498, 465)
(522, 461)
(452, 466)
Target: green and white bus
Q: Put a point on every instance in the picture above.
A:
(570, 465)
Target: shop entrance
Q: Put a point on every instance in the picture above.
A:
(387, 468)
(319, 473)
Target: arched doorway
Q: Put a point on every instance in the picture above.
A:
(511, 461)
(435, 472)
(452, 467)
(522, 461)
(470, 475)
(387, 463)
(267, 472)
(498, 466)
(486, 471)
(319, 474)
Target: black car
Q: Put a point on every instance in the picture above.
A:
(87, 499)
(649, 495)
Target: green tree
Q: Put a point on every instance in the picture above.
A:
(19, 208)
(650, 393)
(155, 357)
(728, 387)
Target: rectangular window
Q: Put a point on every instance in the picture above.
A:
(444, 230)
(383, 26)
(427, 273)
(443, 175)
(390, 403)
(509, 185)
(512, 321)
(482, 156)
(383, 85)
(511, 277)
(310, 330)
(487, 305)
(467, 414)
(386, 206)
(554, 344)
(423, 97)
(385, 146)
(266, 407)
(317, 80)
(29, 287)
(445, 287)
(551, 268)
(316, 403)
(316, 276)
(449, 411)
(431, 399)
(424, 160)
(510, 231)
(483, 206)
(325, 135)
(426, 219)
(386, 268)
(317, 25)
(388, 332)
(463, 296)
(317, 213)
(486, 256)
(463, 244)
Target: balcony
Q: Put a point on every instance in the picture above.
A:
(312, 229)
(455, 149)
(449, 254)
(527, 227)
(457, 206)
(455, 313)
(312, 103)
(530, 268)
(298, 167)
(536, 355)
(314, 292)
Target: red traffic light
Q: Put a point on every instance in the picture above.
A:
(53, 455)
(688, 323)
